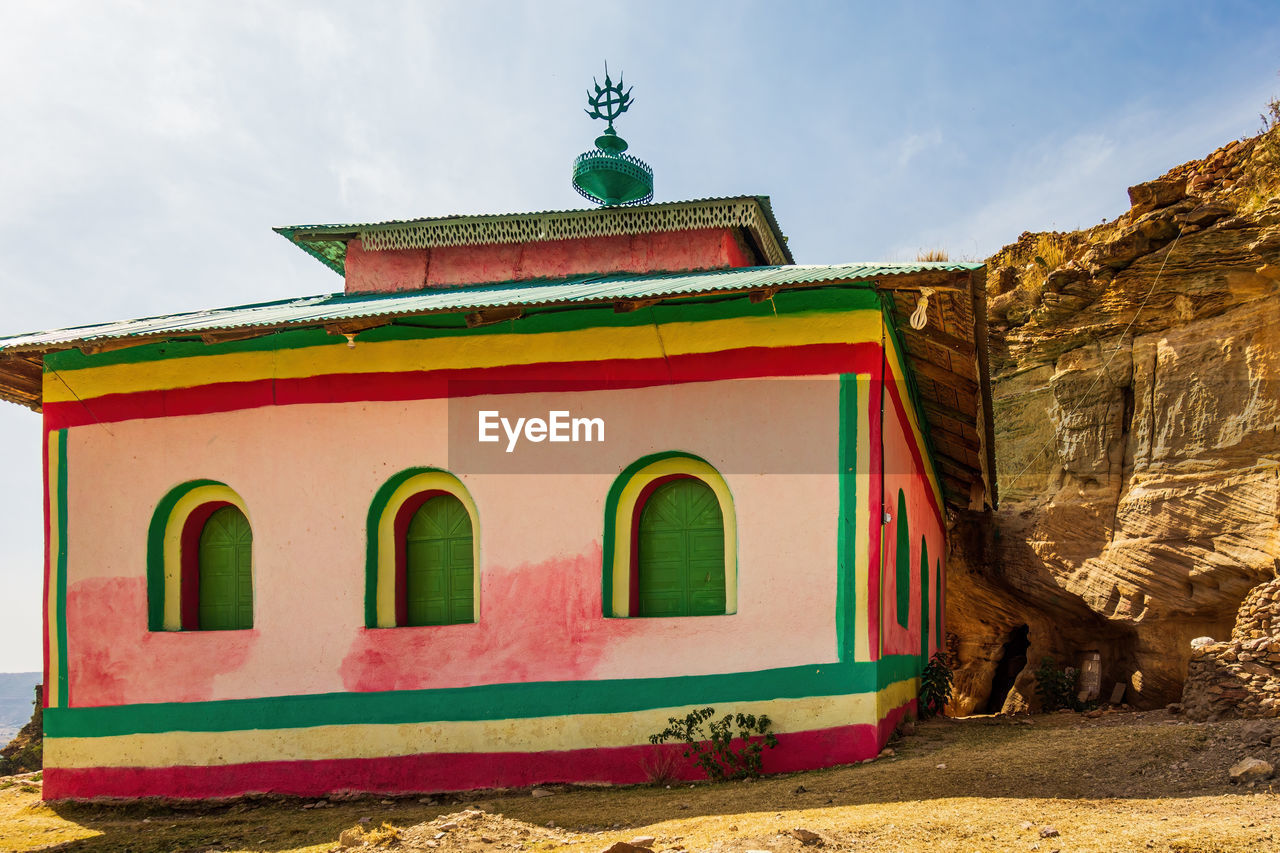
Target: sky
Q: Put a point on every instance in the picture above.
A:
(150, 147)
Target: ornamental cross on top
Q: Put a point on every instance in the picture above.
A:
(609, 101)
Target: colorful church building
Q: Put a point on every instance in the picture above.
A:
(528, 487)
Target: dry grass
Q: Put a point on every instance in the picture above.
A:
(1129, 782)
(933, 255)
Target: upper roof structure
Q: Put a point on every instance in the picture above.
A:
(753, 213)
(947, 359)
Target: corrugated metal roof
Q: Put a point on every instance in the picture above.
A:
(319, 310)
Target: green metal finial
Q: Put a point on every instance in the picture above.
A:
(607, 176)
(614, 101)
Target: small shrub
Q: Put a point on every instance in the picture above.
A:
(716, 747)
(1057, 687)
(661, 766)
(933, 255)
(935, 686)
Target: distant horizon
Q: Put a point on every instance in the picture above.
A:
(152, 148)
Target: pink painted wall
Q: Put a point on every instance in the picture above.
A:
(902, 471)
(308, 485)
(453, 266)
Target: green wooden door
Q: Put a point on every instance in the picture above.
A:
(439, 579)
(226, 571)
(681, 551)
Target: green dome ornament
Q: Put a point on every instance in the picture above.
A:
(606, 175)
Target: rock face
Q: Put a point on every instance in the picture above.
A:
(1136, 377)
(1241, 677)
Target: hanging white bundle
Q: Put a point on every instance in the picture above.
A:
(920, 316)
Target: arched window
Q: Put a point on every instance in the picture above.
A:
(438, 564)
(670, 540)
(200, 560)
(423, 552)
(902, 568)
(680, 551)
(225, 557)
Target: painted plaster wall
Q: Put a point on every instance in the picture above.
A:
(454, 266)
(307, 475)
(903, 470)
(346, 711)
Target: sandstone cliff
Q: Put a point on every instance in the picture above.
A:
(1136, 377)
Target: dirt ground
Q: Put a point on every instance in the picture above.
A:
(1062, 782)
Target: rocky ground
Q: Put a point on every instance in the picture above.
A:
(1066, 782)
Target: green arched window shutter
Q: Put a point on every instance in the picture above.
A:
(902, 573)
(680, 551)
(439, 575)
(226, 571)
(924, 599)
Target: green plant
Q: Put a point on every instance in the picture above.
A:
(716, 747)
(1057, 687)
(935, 686)
(661, 766)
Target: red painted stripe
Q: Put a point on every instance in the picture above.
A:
(445, 771)
(49, 687)
(189, 563)
(749, 362)
(917, 454)
(875, 567)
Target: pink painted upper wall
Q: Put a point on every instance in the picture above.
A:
(453, 266)
(308, 474)
(902, 471)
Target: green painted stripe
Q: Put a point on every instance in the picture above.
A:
(64, 696)
(846, 542)
(924, 601)
(536, 321)
(487, 702)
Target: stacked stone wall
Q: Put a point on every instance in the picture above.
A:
(1239, 677)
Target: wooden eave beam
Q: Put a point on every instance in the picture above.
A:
(228, 335)
(489, 316)
(929, 335)
(929, 370)
(942, 281)
(951, 420)
(626, 306)
(354, 327)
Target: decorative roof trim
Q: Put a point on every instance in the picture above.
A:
(327, 243)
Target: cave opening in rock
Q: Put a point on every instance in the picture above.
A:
(1013, 658)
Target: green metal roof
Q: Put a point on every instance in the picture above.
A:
(328, 243)
(580, 290)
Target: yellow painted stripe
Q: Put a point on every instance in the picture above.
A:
(626, 511)
(428, 481)
(465, 352)
(173, 544)
(539, 734)
(862, 522)
(51, 592)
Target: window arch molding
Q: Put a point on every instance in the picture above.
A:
(172, 550)
(621, 519)
(393, 506)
